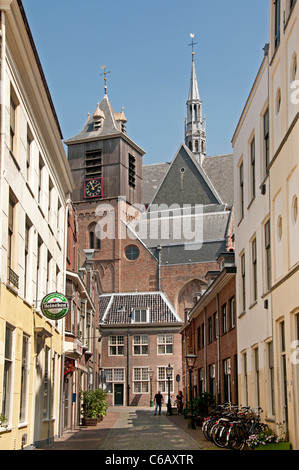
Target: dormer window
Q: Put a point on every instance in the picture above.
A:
(140, 315)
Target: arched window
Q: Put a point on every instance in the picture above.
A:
(94, 238)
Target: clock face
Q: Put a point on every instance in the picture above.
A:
(93, 188)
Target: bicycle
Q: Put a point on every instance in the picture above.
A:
(241, 429)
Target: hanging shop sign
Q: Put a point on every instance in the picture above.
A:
(55, 306)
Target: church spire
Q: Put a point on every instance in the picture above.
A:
(195, 133)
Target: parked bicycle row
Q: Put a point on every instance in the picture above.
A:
(230, 426)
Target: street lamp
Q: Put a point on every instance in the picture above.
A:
(190, 361)
(151, 373)
(169, 370)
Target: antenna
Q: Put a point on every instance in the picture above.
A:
(103, 67)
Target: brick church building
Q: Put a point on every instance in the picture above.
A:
(154, 231)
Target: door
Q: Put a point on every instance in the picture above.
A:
(118, 394)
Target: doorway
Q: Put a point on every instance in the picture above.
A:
(118, 394)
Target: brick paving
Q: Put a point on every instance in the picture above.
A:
(135, 428)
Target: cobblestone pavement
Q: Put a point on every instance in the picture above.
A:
(135, 428)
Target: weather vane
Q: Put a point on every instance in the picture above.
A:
(103, 67)
(192, 43)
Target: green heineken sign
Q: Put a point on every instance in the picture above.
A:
(55, 306)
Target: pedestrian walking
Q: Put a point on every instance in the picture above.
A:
(158, 401)
(180, 402)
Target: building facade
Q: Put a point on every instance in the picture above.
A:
(35, 186)
(284, 141)
(140, 333)
(253, 249)
(82, 346)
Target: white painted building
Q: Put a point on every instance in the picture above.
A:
(35, 183)
(252, 247)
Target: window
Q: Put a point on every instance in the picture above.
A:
(13, 122)
(215, 316)
(227, 380)
(243, 285)
(39, 267)
(212, 387)
(232, 313)
(199, 337)
(241, 182)
(252, 167)
(132, 253)
(203, 336)
(113, 376)
(210, 329)
(49, 272)
(266, 142)
(140, 380)
(245, 379)
(283, 369)
(201, 381)
(257, 376)
(276, 23)
(7, 390)
(24, 380)
(28, 155)
(271, 383)
(12, 277)
(116, 345)
(140, 315)
(140, 345)
(163, 380)
(254, 270)
(28, 226)
(40, 179)
(93, 164)
(50, 201)
(94, 237)
(224, 318)
(132, 171)
(165, 344)
(268, 255)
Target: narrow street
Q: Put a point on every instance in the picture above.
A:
(136, 429)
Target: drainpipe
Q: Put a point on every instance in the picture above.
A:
(159, 248)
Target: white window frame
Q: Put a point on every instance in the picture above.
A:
(140, 380)
(162, 342)
(143, 342)
(117, 344)
(24, 391)
(10, 387)
(141, 310)
(162, 380)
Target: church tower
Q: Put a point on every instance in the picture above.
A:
(195, 132)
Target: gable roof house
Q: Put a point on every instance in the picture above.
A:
(140, 332)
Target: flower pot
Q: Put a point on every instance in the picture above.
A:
(89, 421)
(274, 446)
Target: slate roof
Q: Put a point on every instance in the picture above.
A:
(186, 182)
(151, 179)
(218, 169)
(111, 125)
(116, 308)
